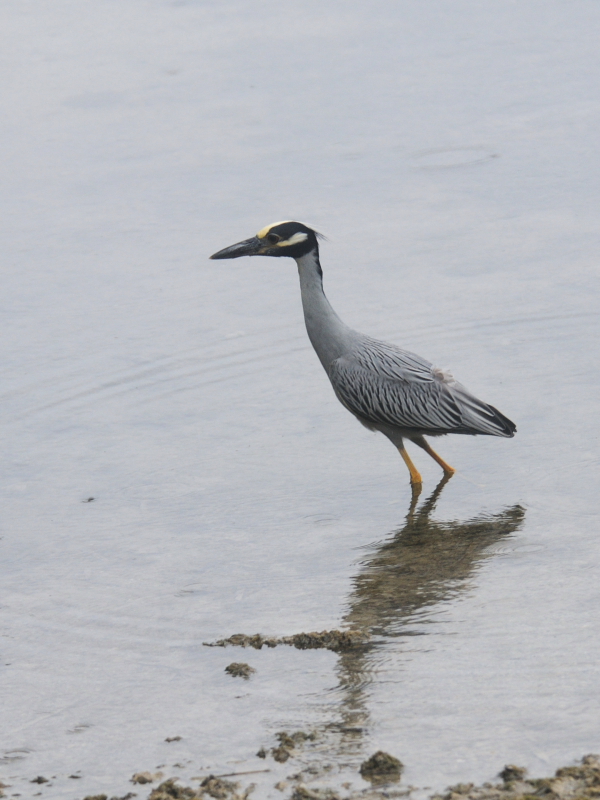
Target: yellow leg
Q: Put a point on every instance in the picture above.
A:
(415, 477)
(416, 489)
(448, 470)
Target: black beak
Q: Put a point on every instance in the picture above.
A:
(249, 247)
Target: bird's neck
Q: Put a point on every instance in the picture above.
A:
(326, 331)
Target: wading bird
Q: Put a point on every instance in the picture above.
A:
(387, 389)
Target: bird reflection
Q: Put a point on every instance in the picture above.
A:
(401, 582)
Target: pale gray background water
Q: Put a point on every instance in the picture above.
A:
(449, 150)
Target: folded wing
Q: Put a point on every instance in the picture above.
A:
(382, 384)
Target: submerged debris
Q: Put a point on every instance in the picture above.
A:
(511, 773)
(287, 744)
(280, 754)
(304, 793)
(575, 783)
(338, 641)
(127, 796)
(581, 782)
(381, 768)
(169, 789)
(329, 640)
(216, 788)
(173, 739)
(146, 777)
(238, 669)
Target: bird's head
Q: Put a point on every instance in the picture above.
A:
(287, 238)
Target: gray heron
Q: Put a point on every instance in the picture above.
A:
(387, 389)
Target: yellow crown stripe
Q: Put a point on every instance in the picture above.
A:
(262, 233)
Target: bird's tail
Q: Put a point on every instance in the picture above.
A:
(481, 418)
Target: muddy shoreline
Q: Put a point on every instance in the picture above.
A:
(576, 782)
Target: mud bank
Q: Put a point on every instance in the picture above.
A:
(579, 782)
(337, 641)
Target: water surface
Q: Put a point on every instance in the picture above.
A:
(449, 152)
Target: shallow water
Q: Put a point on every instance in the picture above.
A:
(449, 152)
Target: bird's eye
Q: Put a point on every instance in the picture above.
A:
(272, 238)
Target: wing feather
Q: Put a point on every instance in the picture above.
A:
(383, 384)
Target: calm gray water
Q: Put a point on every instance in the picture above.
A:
(449, 152)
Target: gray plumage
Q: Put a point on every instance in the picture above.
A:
(387, 389)
(383, 384)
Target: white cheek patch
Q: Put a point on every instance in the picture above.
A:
(295, 239)
(263, 232)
